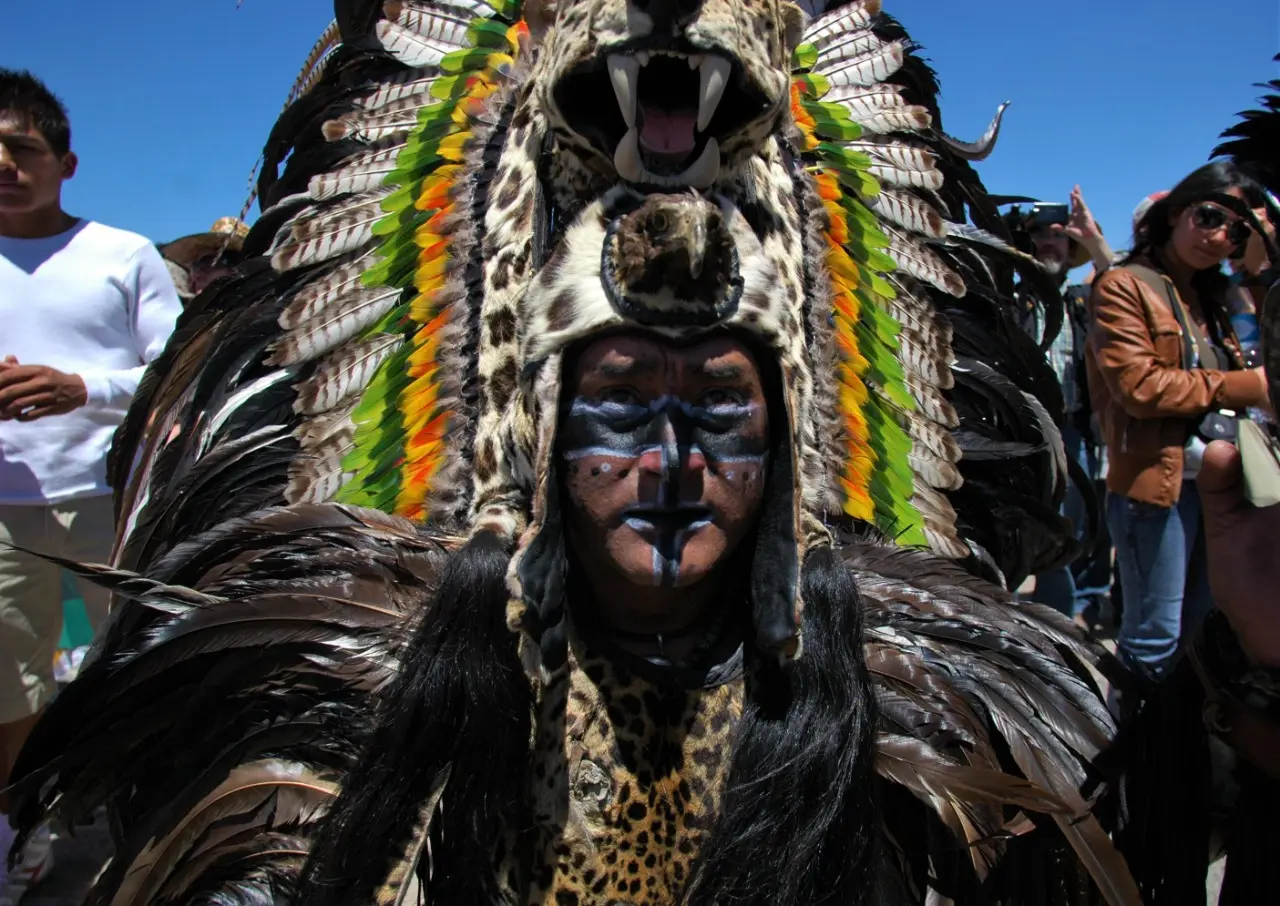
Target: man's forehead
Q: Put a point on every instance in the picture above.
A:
(16, 125)
(627, 354)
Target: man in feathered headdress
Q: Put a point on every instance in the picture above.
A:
(608, 377)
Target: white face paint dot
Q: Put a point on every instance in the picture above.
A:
(605, 467)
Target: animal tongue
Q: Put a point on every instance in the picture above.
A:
(667, 131)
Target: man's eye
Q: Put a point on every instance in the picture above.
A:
(721, 396)
(620, 396)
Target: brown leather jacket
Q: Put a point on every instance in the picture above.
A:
(1142, 393)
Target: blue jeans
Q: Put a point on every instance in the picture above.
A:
(1070, 589)
(1161, 555)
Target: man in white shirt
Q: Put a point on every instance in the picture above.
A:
(83, 308)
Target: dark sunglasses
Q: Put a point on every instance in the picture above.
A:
(1212, 217)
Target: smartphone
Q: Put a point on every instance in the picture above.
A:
(1048, 214)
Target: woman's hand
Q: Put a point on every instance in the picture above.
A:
(1255, 250)
(1244, 571)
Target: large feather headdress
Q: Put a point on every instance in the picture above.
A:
(838, 290)
(412, 284)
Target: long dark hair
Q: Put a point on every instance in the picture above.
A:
(1152, 234)
(798, 819)
(461, 699)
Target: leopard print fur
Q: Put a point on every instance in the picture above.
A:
(755, 37)
(626, 779)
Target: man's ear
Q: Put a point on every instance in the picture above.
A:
(793, 22)
(70, 163)
(539, 15)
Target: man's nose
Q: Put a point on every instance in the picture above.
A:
(661, 459)
(671, 469)
(6, 159)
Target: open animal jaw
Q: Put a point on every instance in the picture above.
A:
(660, 115)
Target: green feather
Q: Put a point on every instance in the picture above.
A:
(472, 59)
(804, 56)
(832, 121)
(812, 84)
(884, 329)
(508, 9)
(488, 33)
(396, 267)
(872, 258)
(453, 86)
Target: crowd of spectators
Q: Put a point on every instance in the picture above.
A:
(1158, 356)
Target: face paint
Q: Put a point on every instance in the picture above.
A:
(662, 451)
(672, 444)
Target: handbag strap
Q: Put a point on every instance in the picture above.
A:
(1163, 286)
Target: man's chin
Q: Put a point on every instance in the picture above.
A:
(651, 567)
(1055, 267)
(657, 571)
(14, 201)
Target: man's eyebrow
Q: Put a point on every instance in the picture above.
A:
(721, 371)
(629, 366)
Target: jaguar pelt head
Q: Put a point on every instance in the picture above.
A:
(664, 93)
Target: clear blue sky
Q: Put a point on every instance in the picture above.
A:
(171, 101)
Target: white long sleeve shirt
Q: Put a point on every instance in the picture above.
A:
(93, 301)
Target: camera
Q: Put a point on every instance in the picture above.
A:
(1036, 216)
(1027, 216)
(1045, 214)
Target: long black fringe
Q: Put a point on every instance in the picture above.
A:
(461, 699)
(797, 825)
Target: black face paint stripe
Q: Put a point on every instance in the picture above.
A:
(631, 429)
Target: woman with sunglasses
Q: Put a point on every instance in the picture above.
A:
(1166, 373)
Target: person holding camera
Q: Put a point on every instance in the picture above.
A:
(1062, 238)
(1167, 375)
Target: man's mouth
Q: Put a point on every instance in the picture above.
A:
(661, 115)
(665, 519)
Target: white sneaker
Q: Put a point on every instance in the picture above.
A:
(32, 867)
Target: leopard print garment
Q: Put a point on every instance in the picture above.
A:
(626, 779)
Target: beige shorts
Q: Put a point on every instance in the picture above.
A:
(31, 592)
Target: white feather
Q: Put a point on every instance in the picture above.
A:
(350, 316)
(316, 235)
(909, 211)
(421, 34)
(851, 17)
(344, 374)
(359, 174)
(867, 69)
(408, 85)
